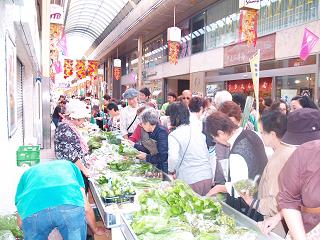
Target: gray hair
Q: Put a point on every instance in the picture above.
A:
(221, 97)
(150, 115)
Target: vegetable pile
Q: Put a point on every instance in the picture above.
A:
(9, 222)
(115, 190)
(246, 185)
(164, 215)
(128, 151)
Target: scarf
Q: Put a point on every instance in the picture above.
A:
(83, 143)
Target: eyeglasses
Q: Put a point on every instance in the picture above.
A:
(186, 98)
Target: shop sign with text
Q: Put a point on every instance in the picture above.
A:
(240, 53)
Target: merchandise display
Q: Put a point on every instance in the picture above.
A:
(153, 206)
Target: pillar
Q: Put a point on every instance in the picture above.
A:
(139, 83)
(109, 76)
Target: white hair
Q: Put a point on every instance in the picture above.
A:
(221, 97)
(150, 115)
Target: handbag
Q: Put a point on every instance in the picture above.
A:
(184, 154)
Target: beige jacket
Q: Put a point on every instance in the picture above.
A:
(269, 187)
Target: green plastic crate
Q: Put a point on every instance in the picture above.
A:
(29, 155)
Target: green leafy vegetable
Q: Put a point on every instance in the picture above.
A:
(9, 222)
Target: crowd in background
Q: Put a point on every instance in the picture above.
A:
(211, 143)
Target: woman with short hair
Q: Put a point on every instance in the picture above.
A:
(188, 153)
(154, 146)
(247, 157)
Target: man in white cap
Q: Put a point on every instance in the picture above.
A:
(128, 115)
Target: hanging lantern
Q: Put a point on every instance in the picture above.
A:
(174, 38)
(81, 69)
(68, 68)
(92, 68)
(117, 69)
(248, 21)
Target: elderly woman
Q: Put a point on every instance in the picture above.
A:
(247, 158)
(68, 142)
(154, 149)
(188, 153)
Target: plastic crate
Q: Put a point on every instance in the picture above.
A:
(29, 155)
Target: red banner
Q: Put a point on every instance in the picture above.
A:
(246, 86)
(248, 26)
(68, 68)
(174, 48)
(92, 68)
(81, 69)
(117, 73)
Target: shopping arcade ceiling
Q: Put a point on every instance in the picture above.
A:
(94, 19)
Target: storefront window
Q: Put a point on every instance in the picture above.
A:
(154, 52)
(279, 14)
(289, 86)
(197, 36)
(185, 45)
(222, 24)
(223, 19)
(133, 62)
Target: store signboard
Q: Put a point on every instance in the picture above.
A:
(249, 4)
(240, 53)
(56, 14)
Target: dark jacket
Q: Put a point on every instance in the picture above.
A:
(160, 160)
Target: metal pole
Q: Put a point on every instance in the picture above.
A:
(174, 15)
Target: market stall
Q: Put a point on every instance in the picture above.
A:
(137, 201)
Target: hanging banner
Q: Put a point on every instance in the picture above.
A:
(174, 48)
(255, 71)
(68, 68)
(92, 68)
(117, 73)
(80, 69)
(248, 26)
(62, 44)
(308, 42)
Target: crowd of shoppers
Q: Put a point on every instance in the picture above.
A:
(211, 144)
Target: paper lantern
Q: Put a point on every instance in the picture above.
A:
(174, 38)
(253, 4)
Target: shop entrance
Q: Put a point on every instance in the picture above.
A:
(183, 85)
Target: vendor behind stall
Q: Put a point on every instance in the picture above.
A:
(51, 195)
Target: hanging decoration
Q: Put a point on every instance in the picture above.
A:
(68, 68)
(80, 69)
(92, 68)
(174, 48)
(56, 31)
(248, 26)
(117, 69)
(308, 43)
(174, 38)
